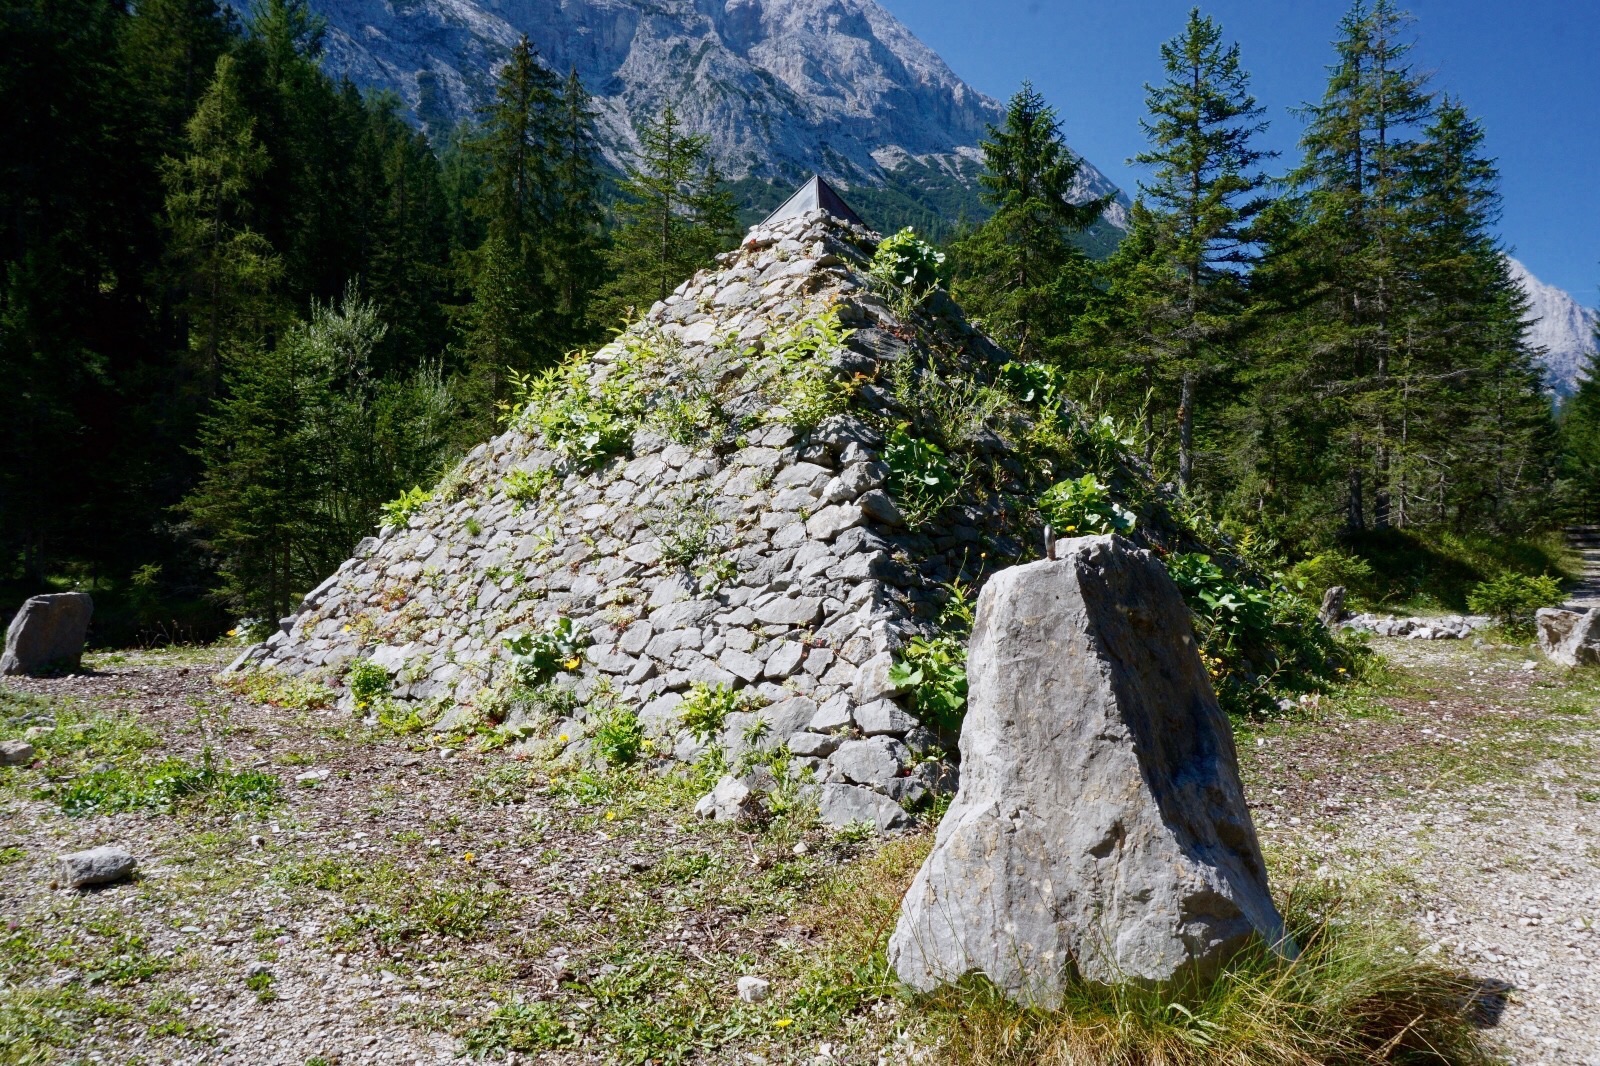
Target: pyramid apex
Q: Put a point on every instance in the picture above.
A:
(813, 194)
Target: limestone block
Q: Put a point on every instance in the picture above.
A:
(1100, 825)
(47, 634)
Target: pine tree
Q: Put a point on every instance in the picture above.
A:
(1019, 271)
(1360, 148)
(576, 235)
(1179, 284)
(675, 215)
(509, 320)
(225, 267)
(1464, 352)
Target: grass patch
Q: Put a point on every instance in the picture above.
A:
(1357, 994)
(165, 785)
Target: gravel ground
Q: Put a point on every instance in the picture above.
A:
(407, 897)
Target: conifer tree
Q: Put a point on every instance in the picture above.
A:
(675, 216)
(576, 234)
(1360, 148)
(1178, 285)
(226, 268)
(509, 320)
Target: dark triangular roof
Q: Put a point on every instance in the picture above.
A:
(813, 194)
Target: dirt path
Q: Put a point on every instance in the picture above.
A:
(410, 900)
(1468, 798)
(1585, 540)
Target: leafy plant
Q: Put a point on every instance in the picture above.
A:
(164, 785)
(526, 486)
(919, 475)
(706, 708)
(1257, 638)
(618, 736)
(933, 670)
(808, 386)
(908, 263)
(585, 421)
(1512, 599)
(398, 512)
(1082, 507)
(537, 656)
(472, 526)
(368, 683)
(687, 532)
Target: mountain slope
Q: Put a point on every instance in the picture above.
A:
(782, 87)
(1560, 325)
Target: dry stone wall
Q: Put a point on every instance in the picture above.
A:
(722, 546)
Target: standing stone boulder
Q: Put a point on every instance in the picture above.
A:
(1100, 828)
(48, 634)
(1571, 638)
(1332, 611)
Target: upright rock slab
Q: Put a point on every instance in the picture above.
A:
(1570, 638)
(1100, 826)
(48, 634)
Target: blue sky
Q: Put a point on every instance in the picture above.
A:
(1530, 71)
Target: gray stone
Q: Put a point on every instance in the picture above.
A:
(97, 866)
(19, 752)
(872, 681)
(730, 801)
(873, 762)
(843, 805)
(1100, 829)
(833, 714)
(790, 715)
(790, 611)
(877, 506)
(831, 521)
(1570, 638)
(47, 634)
(785, 660)
(883, 717)
(1332, 611)
(753, 989)
(813, 745)
(741, 663)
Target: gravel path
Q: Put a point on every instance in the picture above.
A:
(407, 898)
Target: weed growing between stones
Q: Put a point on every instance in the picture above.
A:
(398, 512)
(524, 487)
(264, 685)
(1358, 993)
(368, 684)
(807, 386)
(932, 671)
(706, 707)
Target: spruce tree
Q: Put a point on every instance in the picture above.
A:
(675, 215)
(1020, 271)
(576, 234)
(1179, 282)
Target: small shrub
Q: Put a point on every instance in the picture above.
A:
(1512, 600)
(537, 656)
(909, 264)
(368, 683)
(1084, 507)
(398, 512)
(292, 693)
(1316, 575)
(706, 708)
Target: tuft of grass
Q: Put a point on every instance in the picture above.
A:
(1357, 994)
(267, 686)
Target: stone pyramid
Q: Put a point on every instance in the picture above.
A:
(703, 505)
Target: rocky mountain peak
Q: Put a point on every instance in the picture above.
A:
(1559, 324)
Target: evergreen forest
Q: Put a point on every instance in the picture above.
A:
(243, 304)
